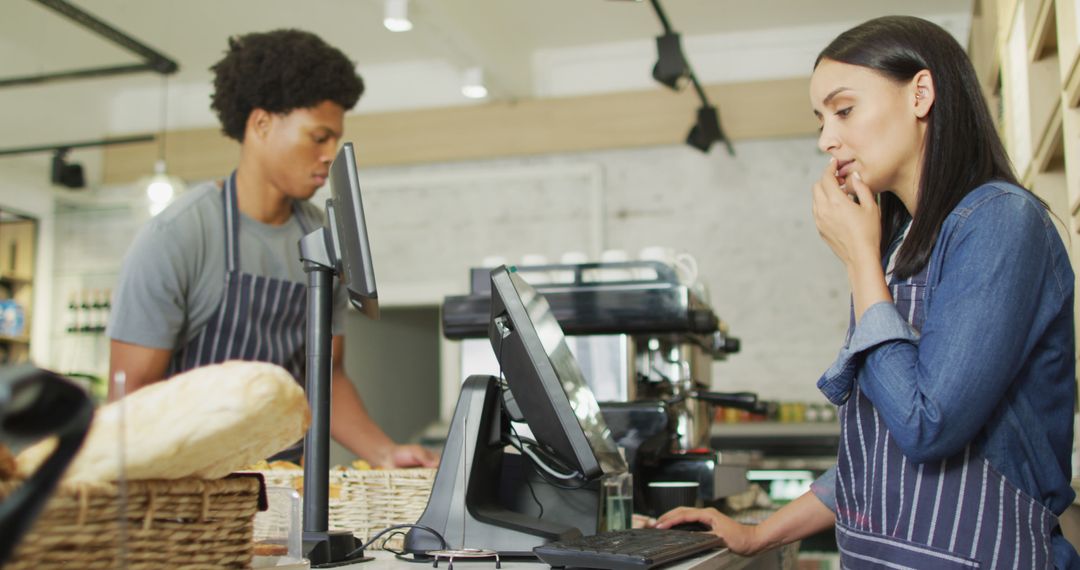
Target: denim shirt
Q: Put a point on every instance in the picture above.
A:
(994, 362)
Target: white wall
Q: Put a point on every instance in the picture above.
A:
(746, 219)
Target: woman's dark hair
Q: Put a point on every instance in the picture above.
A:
(278, 72)
(962, 148)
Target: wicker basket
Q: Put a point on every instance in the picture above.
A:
(368, 501)
(184, 524)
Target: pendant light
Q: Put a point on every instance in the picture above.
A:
(160, 189)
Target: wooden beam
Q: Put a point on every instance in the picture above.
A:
(761, 109)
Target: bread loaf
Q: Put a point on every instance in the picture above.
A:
(206, 422)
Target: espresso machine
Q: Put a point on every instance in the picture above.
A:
(645, 343)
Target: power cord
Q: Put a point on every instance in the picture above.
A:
(395, 529)
(503, 387)
(528, 483)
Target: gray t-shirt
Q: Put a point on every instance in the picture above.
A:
(173, 276)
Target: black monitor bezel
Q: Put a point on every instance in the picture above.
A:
(348, 228)
(534, 383)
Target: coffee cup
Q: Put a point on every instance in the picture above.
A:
(666, 495)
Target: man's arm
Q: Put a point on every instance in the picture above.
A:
(141, 366)
(352, 426)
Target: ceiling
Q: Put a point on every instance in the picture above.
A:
(503, 36)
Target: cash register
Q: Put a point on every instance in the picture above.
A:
(530, 468)
(645, 343)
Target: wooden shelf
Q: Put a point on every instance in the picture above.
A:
(983, 47)
(1007, 11)
(1072, 82)
(15, 280)
(18, 239)
(1049, 150)
(1074, 207)
(1042, 29)
(1068, 39)
(1038, 45)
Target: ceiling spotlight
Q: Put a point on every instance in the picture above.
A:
(396, 16)
(707, 129)
(472, 83)
(671, 68)
(64, 174)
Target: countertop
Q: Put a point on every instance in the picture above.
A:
(721, 559)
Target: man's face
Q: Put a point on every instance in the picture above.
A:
(300, 147)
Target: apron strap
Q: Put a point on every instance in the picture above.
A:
(232, 224)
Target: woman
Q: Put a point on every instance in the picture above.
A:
(956, 382)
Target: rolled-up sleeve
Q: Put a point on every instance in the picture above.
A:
(880, 323)
(936, 389)
(824, 488)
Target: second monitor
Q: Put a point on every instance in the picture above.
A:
(498, 488)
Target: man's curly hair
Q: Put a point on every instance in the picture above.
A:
(280, 71)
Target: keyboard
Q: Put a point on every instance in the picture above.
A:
(635, 549)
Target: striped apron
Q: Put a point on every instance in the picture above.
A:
(260, 318)
(956, 513)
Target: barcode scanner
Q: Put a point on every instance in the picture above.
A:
(36, 403)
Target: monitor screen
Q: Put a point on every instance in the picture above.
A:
(348, 229)
(545, 380)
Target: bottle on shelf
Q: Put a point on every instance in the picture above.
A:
(84, 311)
(106, 308)
(71, 321)
(96, 312)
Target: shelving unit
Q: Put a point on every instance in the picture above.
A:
(1028, 51)
(18, 237)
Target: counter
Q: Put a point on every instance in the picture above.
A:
(716, 560)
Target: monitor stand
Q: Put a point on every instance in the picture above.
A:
(323, 547)
(476, 479)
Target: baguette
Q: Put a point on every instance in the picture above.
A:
(206, 423)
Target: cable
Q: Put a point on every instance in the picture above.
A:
(519, 443)
(540, 463)
(527, 482)
(504, 385)
(395, 528)
(401, 554)
(540, 466)
(558, 484)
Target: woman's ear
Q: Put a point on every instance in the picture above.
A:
(923, 97)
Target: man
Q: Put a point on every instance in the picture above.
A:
(217, 276)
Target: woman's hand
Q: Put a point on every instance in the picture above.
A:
(739, 538)
(849, 220)
(852, 228)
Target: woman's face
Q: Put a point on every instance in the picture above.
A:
(869, 123)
